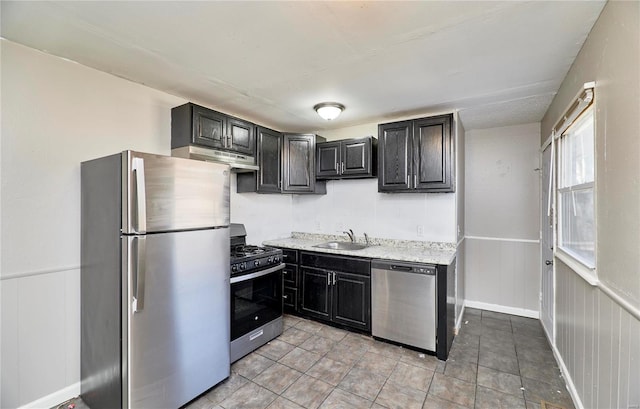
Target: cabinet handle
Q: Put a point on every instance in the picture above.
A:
(334, 278)
(408, 183)
(230, 140)
(342, 167)
(415, 181)
(285, 296)
(328, 278)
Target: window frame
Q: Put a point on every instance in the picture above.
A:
(583, 105)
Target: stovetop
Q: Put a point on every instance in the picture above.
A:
(246, 250)
(246, 258)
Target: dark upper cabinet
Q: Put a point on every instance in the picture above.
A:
(209, 127)
(286, 164)
(269, 174)
(328, 159)
(299, 163)
(197, 125)
(241, 136)
(395, 157)
(349, 158)
(416, 155)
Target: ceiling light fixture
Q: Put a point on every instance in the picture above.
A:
(329, 110)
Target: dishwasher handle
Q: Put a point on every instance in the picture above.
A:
(412, 268)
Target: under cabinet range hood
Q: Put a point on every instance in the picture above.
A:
(237, 161)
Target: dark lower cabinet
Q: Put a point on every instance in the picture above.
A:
(290, 280)
(340, 297)
(315, 286)
(352, 300)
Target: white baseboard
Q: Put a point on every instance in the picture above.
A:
(55, 398)
(502, 308)
(577, 402)
(459, 320)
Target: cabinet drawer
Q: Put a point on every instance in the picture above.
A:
(290, 298)
(353, 265)
(290, 256)
(290, 275)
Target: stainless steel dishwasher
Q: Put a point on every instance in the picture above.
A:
(403, 302)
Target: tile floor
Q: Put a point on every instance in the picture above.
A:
(497, 361)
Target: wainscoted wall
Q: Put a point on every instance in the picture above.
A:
(502, 267)
(598, 342)
(597, 328)
(503, 275)
(56, 114)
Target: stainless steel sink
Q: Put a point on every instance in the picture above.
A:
(341, 245)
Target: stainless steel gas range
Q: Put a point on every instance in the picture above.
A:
(256, 294)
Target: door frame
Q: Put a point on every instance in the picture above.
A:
(544, 207)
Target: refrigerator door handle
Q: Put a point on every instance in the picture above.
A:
(137, 165)
(140, 257)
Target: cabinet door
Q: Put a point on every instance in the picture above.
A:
(394, 156)
(209, 127)
(356, 157)
(328, 160)
(299, 163)
(290, 275)
(433, 157)
(241, 136)
(352, 300)
(289, 299)
(315, 291)
(269, 154)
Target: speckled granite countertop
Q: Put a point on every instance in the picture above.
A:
(401, 250)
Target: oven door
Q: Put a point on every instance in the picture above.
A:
(256, 299)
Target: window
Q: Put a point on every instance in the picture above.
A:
(576, 175)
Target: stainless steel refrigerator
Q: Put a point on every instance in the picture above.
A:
(154, 280)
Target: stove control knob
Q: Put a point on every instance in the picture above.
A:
(243, 265)
(234, 268)
(276, 259)
(270, 260)
(256, 263)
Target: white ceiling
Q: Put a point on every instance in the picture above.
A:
(500, 63)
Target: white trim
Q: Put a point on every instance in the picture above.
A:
(619, 300)
(502, 239)
(11, 276)
(522, 312)
(459, 320)
(577, 402)
(55, 398)
(587, 274)
(461, 240)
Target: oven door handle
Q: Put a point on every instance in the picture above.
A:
(257, 274)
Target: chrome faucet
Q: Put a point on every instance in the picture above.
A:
(366, 239)
(352, 236)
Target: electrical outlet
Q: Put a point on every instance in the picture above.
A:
(420, 230)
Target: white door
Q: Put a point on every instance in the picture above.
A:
(546, 209)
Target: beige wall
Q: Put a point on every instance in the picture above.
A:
(502, 268)
(56, 114)
(611, 58)
(597, 338)
(350, 204)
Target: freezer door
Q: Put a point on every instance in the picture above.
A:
(163, 193)
(176, 311)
